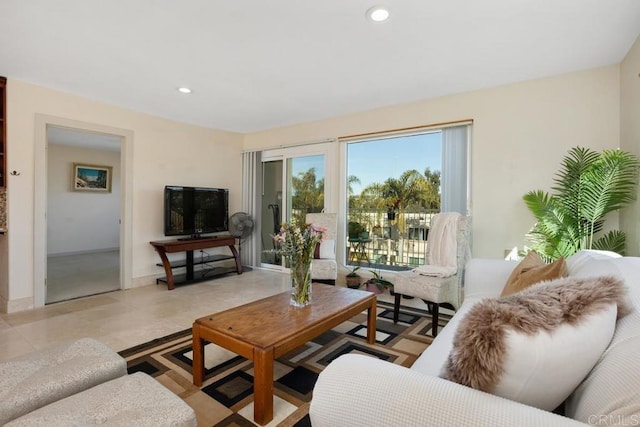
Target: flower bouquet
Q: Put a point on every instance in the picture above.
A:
(297, 243)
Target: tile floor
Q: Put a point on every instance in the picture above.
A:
(124, 318)
(74, 276)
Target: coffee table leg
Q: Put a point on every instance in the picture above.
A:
(263, 385)
(371, 323)
(198, 356)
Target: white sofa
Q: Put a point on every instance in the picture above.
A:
(360, 390)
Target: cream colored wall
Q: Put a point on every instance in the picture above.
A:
(630, 137)
(81, 221)
(520, 134)
(164, 152)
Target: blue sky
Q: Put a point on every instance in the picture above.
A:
(91, 174)
(375, 161)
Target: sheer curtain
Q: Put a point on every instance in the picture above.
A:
(454, 180)
(251, 183)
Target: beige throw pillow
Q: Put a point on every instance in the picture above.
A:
(533, 270)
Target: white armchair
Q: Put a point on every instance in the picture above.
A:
(436, 291)
(324, 268)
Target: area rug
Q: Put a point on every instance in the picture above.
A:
(226, 396)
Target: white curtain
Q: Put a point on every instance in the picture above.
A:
(454, 180)
(251, 176)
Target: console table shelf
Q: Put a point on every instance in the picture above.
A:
(198, 260)
(188, 246)
(198, 275)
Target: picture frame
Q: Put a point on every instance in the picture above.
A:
(92, 178)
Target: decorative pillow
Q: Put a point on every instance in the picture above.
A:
(316, 251)
(536, 346)
(533, 270)
(328, 249)
(325, 249)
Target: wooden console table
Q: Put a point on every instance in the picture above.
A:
(189, 245)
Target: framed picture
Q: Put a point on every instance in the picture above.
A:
(91, 178)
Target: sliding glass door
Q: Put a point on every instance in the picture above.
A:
(271, 208)
(292, 186)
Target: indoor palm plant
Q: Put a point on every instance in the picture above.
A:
(588, 186)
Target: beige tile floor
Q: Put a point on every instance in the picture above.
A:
(124, 318)
(80, 275)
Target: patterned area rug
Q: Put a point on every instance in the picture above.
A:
(226, 396)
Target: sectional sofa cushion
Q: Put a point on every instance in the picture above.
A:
(537, 345)
(610, 394)
(132, 400)
(34, 380)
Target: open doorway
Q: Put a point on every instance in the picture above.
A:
(43, 122)
(83, 213)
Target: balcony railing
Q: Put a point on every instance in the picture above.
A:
(389, 242)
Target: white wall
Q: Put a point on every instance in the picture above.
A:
(630, 137)
(81, 221)
(520, 134)
(164, 151)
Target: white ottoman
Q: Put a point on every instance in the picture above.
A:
(133, 400)
(34, 380)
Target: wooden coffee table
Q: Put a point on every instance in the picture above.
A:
(268, 328)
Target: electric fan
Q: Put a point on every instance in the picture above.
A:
(240, 227)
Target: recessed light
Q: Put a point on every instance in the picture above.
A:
(184, 90)
(378, 14)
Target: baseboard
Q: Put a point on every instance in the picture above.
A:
(139, 282)
(87, 252)
(13, 306)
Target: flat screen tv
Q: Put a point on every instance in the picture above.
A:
(195, 211)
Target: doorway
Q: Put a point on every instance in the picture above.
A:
(83, 213)
(42, 227)
(293, 184)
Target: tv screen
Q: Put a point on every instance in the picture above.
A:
(195, 210)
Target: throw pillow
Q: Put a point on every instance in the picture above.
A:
(536, 346)
(533, 270)
(325, 249)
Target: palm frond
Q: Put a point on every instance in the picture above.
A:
(614, 240)
(588, 186)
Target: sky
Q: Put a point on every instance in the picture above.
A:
(375, 161)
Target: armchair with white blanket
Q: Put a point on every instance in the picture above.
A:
(440, 280)
(324, 268)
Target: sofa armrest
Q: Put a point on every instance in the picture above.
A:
(357, 390)
(486, 277)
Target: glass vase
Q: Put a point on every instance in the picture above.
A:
(301, 284)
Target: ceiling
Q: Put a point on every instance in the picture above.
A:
(255, 64)
(81, 138)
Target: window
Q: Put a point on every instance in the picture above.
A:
(396, 182)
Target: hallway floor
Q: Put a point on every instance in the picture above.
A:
(74, 276)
